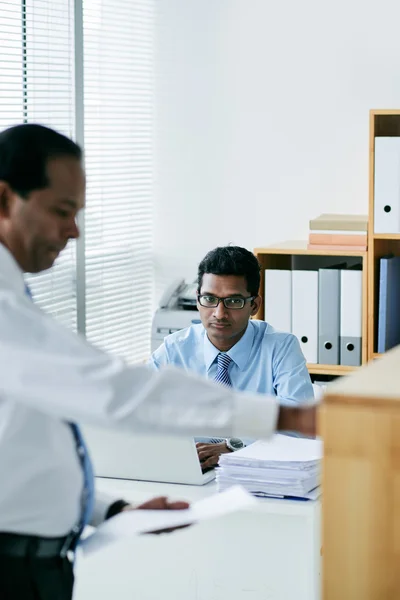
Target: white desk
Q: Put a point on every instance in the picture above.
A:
(269, 553)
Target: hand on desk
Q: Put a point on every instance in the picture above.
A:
(160, 503)
(209, 454)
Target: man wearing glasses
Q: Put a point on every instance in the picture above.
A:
(229, 347)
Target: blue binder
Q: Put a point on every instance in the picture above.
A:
(389, 303)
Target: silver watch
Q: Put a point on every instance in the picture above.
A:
(234, 444)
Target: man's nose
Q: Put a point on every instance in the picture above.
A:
(73, 229)
(220, 311)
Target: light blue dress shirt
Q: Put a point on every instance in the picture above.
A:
(264, 360)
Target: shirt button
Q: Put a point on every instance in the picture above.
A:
(81, 451)
(76, 529)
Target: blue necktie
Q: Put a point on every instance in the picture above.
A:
(224, 360)
(222, 376)
(28, 292)
(88, 487)
(86, 463)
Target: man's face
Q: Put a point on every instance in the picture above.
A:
(37, 229)
(226, 326)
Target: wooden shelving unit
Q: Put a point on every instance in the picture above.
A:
(382, 123)
(295, 254)
(334, 370)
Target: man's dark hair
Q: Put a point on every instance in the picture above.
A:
(232, 260)
(25, 151)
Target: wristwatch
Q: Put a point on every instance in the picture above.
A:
(234, 444)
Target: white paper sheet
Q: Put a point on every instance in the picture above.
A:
(282, 451)
(135, 522)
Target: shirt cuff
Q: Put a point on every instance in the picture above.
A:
(115, 508)
(255, 417)
(102, 504)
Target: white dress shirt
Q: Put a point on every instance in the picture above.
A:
(50, 375)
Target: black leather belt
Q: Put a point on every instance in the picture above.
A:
(12, 544)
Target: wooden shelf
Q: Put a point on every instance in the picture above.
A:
(382, 123)
(386, 236)
(376, 355)
(300, 247)
(315, 369)
(384, 111)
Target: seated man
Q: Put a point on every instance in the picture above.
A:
(229, 347)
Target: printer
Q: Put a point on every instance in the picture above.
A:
(177, 310)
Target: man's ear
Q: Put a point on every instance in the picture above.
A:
(5, 199)
(255, 305)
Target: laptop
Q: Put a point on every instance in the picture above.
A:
(145, 457)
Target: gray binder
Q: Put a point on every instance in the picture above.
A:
(350, 317)
(328, 316)
(350, 351)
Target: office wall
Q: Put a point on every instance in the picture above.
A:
(262, 118)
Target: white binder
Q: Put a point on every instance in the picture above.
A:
(278, 299)
(305, 312)
(350, 317)
(387, 185)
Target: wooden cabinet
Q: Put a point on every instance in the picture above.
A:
(360, 425)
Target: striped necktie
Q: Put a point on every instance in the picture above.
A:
(87, 502)
(224, 360)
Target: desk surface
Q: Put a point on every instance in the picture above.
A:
(271, 552)
(140, 491)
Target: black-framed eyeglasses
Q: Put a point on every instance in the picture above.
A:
(232, 303)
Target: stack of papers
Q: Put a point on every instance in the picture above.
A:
(283, 467)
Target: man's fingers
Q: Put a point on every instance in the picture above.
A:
(155, 504)
(162, 503)
(178, 505)
(203, 454)
(204, 448)
(210, 462)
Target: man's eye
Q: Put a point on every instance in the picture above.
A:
(210, 299)
(234, 301)
(61, 213)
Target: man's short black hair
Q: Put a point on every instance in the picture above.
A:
(25, 151)
(232, 260)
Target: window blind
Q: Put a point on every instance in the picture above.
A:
(11, 89)
(118, 100)
(37, 86)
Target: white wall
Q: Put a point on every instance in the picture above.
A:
(262, 118)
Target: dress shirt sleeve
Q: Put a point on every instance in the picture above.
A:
(103, 508)
(49, 368)
(291, 378)
(159, 358)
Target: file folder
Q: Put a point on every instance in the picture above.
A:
(305, 312)
(387, 185)
(328, 316)
(278, 299)
(389, 303)
(350, 317)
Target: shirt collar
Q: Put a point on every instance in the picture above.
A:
(11, 275)
(239, 353)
